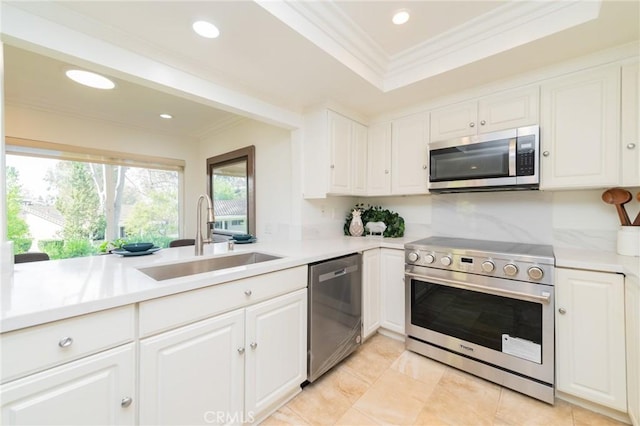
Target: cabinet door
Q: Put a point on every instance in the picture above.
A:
(194, 374)
(392, 290)
(632, 301)
(339, 153)
(590, 336)
(370, 292)
(409, 155)
(509, 110)
(630, 131)
(454, 121)
(359, 159)
(379, 160)
(276, 342)
(90, 391)
(579, 130)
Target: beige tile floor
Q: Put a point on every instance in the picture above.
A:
(381, 383)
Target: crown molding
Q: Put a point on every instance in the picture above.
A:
(503, 28)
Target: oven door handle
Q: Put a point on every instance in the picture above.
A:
(544, 298)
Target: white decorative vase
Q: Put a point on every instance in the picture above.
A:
(356, 228)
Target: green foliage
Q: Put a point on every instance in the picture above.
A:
(17, 227)
(394, 222)
(107, 246)
(229, 187)
(79, 202)
(59, 249)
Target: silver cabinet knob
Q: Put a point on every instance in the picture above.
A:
(562, 311)
(546, 153)
(240, 351)
(535, 273)
(413, 256)
(631, 145)
(253, 345)
(424, 167)
(248, 292)
(510, 269)
(482, 123)
(386, 172)
(332, 166)
(488, 266)
(65, 342)
(446, 261)
(472, 124)
(126, 401)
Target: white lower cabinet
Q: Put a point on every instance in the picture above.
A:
(229, 369)
(370, 292)
(590, 336)
(392, 290)
(632, 302)
(95, 390)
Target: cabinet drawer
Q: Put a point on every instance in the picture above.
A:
(36, 348)
(172, 311)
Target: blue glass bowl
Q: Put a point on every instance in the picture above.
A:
(242, 237)
(137, 246)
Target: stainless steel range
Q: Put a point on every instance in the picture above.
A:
(485, 307)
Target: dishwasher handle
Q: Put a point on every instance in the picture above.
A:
(337, 273)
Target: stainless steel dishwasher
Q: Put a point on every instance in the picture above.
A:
(335, 312)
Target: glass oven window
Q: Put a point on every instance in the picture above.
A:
(475, 317)
(477, 161)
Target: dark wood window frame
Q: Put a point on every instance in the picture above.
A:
(247, 154)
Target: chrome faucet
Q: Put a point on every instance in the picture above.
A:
(200, 242)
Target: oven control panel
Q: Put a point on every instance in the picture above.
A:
(497, 266)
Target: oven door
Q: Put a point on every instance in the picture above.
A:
(504, 323)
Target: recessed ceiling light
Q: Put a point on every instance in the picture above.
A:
(401, 17)
(206, 29)
(90, 79)
(166, 116)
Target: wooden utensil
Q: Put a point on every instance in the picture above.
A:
(618, 197)
(636, 221)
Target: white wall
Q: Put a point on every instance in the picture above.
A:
(563, 218)
(273, 172)
(22, 122)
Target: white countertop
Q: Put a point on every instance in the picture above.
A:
(41, 292)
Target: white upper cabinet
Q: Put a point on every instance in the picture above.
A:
(409, 154)
(335, 155)
(398, 156)
(580, 130)
(379, 160)
(630, 120)
(515, 108)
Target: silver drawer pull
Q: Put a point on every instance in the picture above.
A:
(631, 145)
(562, 311)
(126, 401)
(253, 345)
(247, 292)
(240, 351)
(66, 342)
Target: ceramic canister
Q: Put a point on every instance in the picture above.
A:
(629, 241)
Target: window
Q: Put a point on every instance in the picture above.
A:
(231, 187)
(68, 208)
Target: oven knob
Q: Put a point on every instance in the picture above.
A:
(488, 266)
(413, 256)
(446, 261)
(510, 269)
(535, 273)
(429, 258)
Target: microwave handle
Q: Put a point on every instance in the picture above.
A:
(512, 156)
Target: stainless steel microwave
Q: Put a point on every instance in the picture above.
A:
(504, 160)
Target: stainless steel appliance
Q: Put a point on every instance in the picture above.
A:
(335, 312)
(504, 160)
(485, 307)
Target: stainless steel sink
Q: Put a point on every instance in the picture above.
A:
(176, 270)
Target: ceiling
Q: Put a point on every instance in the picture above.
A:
(297, 54)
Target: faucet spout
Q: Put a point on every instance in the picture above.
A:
(200, 242)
